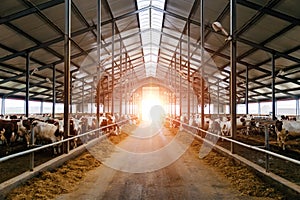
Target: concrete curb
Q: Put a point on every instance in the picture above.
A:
(284, 185)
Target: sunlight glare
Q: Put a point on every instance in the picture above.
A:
(150, 98)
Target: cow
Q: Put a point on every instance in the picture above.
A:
(225, 126)
(75, 129)
(176, 123)
(47, 133)
(88, 123)
(23, 131)
(215, 127)
(8, 129)
(106, 120)
(12, 130)
(285, 129)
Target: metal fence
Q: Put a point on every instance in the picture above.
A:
(35, 149)
(266, 150)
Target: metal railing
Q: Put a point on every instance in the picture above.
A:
(31, 151)
(266, 151)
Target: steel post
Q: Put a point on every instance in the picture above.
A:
(67, 52)
(247, 90)
(233, 71)
(202, 60)
(27, 84)
(53, 91)
(273, 88)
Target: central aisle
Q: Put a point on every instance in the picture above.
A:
(185, 178)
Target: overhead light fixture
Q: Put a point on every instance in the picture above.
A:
(217, 26)
(280, 73)
(48, 80)
(35, 70)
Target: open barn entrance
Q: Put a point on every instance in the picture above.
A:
(150, 97)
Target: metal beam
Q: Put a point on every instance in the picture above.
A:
(30, 11)
(268, 11)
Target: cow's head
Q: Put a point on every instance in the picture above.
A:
(278, 125)
(243, 121)
(58, 134)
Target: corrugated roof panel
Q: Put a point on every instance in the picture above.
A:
(57, 16)
(127, 23)
(3, 52)
(296, 54)
(253, 73)
(86, 41)
(264, 29)
(214, 41)
(257, 57)
(9, 7)
(44, 56)
(260, 2)
(14, 40)
(242, 48)
(58, 47)
(17, 62)
(37, 2)
(174, 23)
(130, 33)
(89, 10)
(121, 7)
(211, 10)
(180, 7)
(283, 62)
(288, 7)
(286, 41)
(216, 62)
(39, 29)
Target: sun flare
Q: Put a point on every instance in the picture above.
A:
(150, 98)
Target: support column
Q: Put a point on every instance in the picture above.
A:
(180, 78)
(113, 67)
(71, 91)
(97, 104)
(67, 50)
(273, 88)
(53, 91)
(98, 59)
(188, 75)
(218, 98)
(233, 71)
(27, 84)
(3, 106)
(247, 90)
(82, 96)
(175, 86)
(121, 76)
(202, 61)
(42, 107)
(297, 108)
(125, 86)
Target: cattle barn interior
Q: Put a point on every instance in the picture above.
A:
(142, 43)
(194, 58)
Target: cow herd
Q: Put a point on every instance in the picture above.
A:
(42, 129)
(282, 129)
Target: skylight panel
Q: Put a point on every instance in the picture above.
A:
(142, 3)
(151, 20)
(156, 20)
(158, 3)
